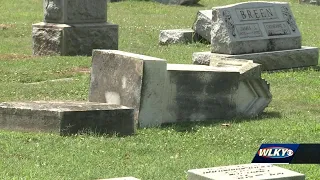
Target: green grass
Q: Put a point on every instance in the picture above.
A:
(157, 153)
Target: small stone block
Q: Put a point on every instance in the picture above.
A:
(311, 2)
(67, 118)
(129, 79)
(253, 27)
(75, 39)
(245, 171)
(174, 36)
(75, 11)
(275, 60)
(178, 2)
(122, 178)
(203, 24)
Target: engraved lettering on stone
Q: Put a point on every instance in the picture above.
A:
(289, 18)
(249, 30)
(52, 10)
(252, 14)
(229, 22)
(277, 28)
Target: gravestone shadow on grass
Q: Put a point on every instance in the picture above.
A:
(190, 127)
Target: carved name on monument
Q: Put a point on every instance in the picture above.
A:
(262, 22)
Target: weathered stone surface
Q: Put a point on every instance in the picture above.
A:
(178, 2)
(76, 39)
(245, 171)
(174, 36)
(198, 93)
(122, 178)
(129, 79)
(254, 27)
(67, 117)
(276, 60)
(201, 58)
(312, 2)
(75, 11)
(246, 68)
(203, 24)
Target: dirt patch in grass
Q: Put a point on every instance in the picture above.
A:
(15, 56)
(6, 26)
(73, 71)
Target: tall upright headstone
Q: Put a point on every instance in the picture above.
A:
(74, 27)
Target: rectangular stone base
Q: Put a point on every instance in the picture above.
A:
(72, 40)
(274, 60)
(67, 117)
(244, 171)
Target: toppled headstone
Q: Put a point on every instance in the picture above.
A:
(203, 24)
(67, 118)
(198, 93)
(287, 59)
(129, 79)
(244, 171)
(74, 27)
(174, 36)
(166, 93)
(178, 2)
(311, 2)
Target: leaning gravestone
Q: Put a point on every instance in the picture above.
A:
(264, 32)
(244, 171)
(203, 24)
(67, 118)
(73, 27)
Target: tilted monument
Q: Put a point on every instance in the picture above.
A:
(265, 32)
(74, 27)
(167, 93)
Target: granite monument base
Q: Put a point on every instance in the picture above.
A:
(274, 60)
(75, 39)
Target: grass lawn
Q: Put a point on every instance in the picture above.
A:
(159, 153)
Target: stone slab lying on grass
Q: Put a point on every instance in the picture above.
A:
(67, 118)
(199, 93)
(75, 39)
(174, 36)
(311, 2)
(275, 60)
(254, 27)
(129, 79)
(178, 2)
(203, 24)
(245, 171)
(74, 11)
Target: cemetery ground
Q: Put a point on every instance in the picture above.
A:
(158, 153)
